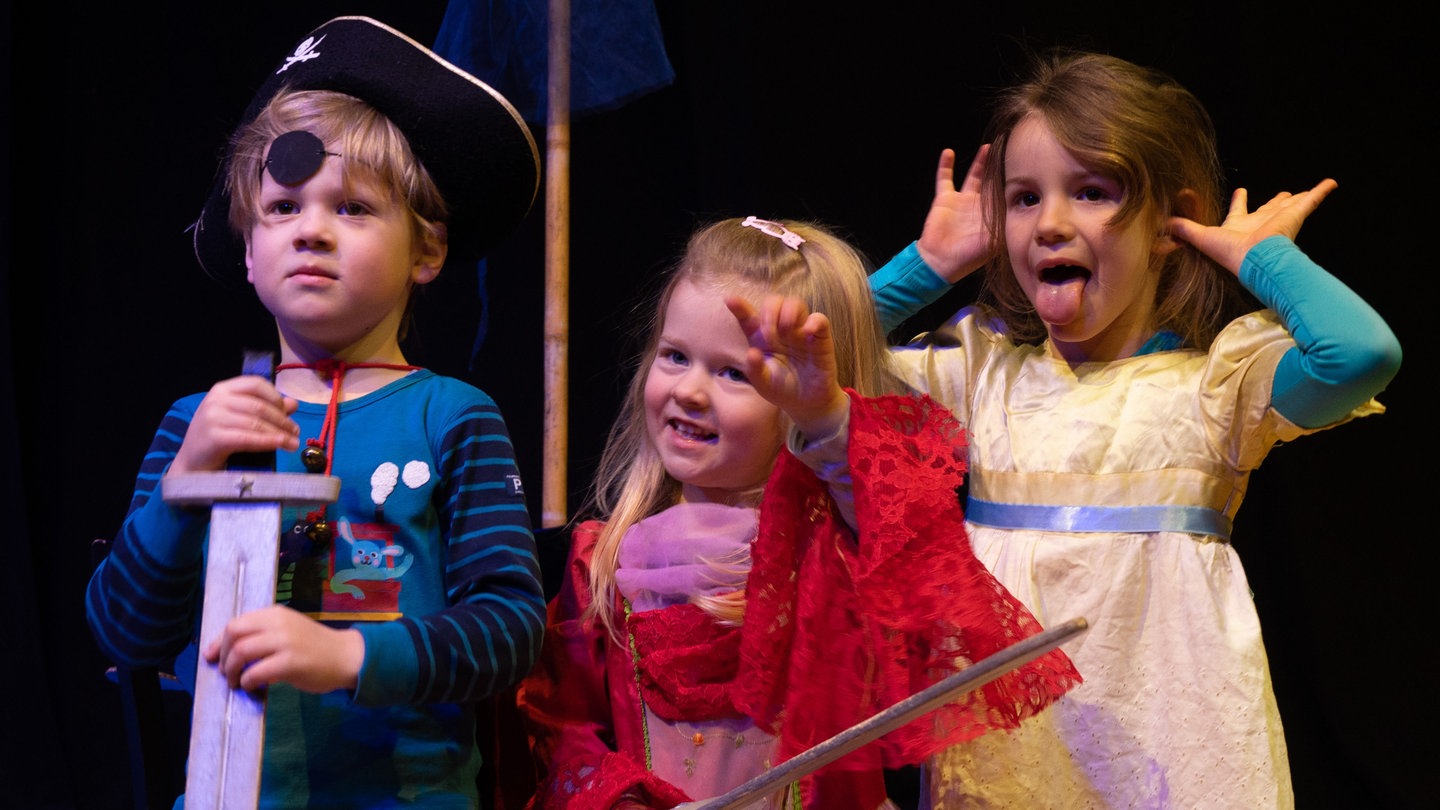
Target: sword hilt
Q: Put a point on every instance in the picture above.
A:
(261, 364)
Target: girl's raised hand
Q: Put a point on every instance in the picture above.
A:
(1228, 242)
(954, 241)
(241, 414)
(791, 361)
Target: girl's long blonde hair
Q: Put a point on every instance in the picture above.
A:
(829, 274)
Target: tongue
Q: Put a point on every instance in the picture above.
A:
(1059, 303)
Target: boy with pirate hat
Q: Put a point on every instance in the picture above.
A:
(364, 162)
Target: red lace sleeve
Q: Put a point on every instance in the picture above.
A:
(837, 630)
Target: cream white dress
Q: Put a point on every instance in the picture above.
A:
(1134, 469)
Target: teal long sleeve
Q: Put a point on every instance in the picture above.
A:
(1344, 351)
(903, 286)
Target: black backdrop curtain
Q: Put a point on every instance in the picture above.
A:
(804, 110)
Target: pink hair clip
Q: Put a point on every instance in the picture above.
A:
(791, 239)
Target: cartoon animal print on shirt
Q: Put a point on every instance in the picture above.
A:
(369, 561)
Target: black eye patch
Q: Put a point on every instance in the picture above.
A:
(295, 157)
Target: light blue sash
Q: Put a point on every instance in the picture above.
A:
(1188, 519)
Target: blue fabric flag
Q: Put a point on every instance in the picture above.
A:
(617, 52)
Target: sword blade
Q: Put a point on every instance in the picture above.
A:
(228, 725)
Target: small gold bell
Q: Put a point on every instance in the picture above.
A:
(313, 458)
(320, 532)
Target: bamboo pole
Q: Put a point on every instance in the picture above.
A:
(554, 509)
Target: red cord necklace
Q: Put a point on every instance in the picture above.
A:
(318, 455)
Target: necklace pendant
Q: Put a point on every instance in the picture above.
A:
(313, 458)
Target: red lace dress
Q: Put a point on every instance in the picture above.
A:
(834, 632)
(837, 630)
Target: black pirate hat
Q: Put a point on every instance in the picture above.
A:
(473, 142)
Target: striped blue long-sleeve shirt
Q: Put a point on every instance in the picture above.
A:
(432, 560)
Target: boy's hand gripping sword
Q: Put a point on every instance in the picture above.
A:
(227, 725)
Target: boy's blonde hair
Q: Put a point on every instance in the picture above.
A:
(829, 274)
(1156, 139)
